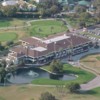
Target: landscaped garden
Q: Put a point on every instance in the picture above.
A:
(46, 27)
(83, 76)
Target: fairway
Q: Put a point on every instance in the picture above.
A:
(46, 27)
(7, 36)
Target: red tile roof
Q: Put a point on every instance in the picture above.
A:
(62, 44)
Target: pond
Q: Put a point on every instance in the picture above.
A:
(26, 75)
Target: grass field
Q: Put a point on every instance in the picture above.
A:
(4, 23)
(11, 22)
(83, 76)
(28, 92)
(92, 61)
(47, 27)
(98, 58)
(7, 36)
(38, 28)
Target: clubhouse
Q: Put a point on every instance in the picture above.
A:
(43, 50)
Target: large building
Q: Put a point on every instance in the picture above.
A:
(42, 50)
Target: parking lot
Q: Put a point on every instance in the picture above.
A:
(93, 33)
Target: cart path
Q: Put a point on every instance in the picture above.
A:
(92, 84)
(28, 23)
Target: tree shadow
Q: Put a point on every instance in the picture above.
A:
(89, 92)
(74, 72)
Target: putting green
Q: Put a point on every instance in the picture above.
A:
(45, 28)
(7, 36)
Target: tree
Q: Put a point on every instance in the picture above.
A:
(54, 9)
(4, 70)
(9, 43)
(96, 4)
(73, 87)
(66, 8)
(82, 24)
(80, 9)
(9, 10)
(41, 12)
(0, 12)
(47, 96)
(2, 74)
(56, 66)
(1, 47)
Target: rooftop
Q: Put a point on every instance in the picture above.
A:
(56, 39)
(40, 49)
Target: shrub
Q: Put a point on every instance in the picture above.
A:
(9, 43)
(47, 96)
(73, 87)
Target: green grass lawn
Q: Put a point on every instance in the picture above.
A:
(12, 22)
(83, 76)
(7, 36)
(98, 58)
(95, 92)
(4, 23)
(47, 27)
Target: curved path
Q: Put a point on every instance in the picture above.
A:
(96, 81)
(92, 84)
(28, 23)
